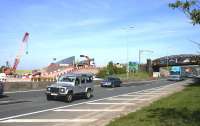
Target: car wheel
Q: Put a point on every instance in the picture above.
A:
(68, 98)
(49, 97)
(88, 94)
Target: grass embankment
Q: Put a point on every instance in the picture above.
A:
(180, 109)
(23, 72)
(134, 76)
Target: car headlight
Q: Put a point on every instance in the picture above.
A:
(62, 90)
(48, 89)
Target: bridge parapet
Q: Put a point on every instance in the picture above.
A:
(177, 60)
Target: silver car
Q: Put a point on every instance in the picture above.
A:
(68, 86)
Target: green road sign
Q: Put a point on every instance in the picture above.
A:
(133, 66)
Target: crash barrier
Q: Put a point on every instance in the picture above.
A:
(24, 86)
(43, 79)
(20, 86)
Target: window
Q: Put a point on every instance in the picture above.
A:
(77, 81)
(175, 73)
(82, 80)
(66, 79)
(89, 79)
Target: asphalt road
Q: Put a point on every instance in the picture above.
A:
(26, 102)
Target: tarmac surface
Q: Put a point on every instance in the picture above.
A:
(31, 107)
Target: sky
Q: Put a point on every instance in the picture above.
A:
(107, 30)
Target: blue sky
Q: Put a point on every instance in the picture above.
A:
(98, 28)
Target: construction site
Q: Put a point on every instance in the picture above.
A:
(52, 70)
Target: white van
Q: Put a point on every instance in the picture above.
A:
(2, 77)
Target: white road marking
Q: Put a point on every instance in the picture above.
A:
(4, 101)
(109, 89)
(130, 99)
(160, 90)
(137, 95)
(88, 110)
(152, 93)
(48, 120)
(9, 92)
(109, 103)
(41, 111)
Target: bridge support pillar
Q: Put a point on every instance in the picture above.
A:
(149, 66)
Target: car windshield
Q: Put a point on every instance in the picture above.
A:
(174, 72)
(109, 78)
(66, 79)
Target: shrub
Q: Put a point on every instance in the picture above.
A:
(111, 69)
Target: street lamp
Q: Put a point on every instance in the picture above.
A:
(127, 59)
(140, 53)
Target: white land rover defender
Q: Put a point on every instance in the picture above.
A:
(70, 85)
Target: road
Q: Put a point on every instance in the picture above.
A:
(21, 104)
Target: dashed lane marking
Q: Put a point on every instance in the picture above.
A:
(48, 120)
(130, 99)
(88, 110)
(4, 102)
(45, 110)
(110, 103)
(152, 93)
(136, 95)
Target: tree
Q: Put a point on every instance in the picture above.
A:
(1, 69)
(191, 8)
(110, 68)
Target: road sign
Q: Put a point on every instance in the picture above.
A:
(133, 66)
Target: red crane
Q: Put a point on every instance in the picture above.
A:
(21, 51)
(12, 70)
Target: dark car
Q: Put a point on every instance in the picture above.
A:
(1, 88)
(111, 82)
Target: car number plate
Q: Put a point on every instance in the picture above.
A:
(54, 94)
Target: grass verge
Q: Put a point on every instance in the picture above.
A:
(23, 71)
(179, 109)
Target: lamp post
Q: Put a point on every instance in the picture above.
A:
(140, 53)
(127, 59)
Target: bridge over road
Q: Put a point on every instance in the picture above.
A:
(175, 60)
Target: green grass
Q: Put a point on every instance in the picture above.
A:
(23, 71)
(135, 76)
(179, 109)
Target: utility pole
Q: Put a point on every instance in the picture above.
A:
(127, 50)
(139, 60)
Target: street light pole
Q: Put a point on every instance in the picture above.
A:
(127, 67)
(127, 59)
(139, 59)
